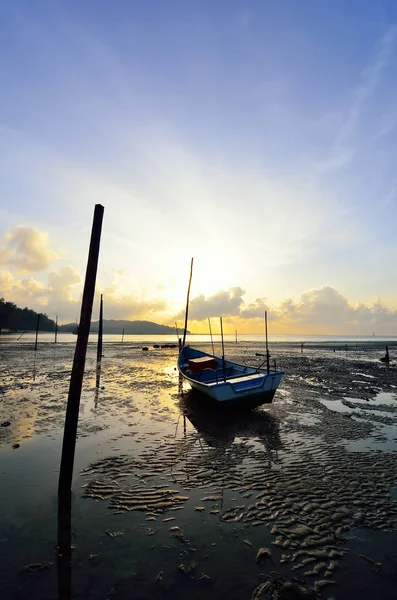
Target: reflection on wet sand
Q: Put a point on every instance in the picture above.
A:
(64, 561)
(221, 427)
(97, 382)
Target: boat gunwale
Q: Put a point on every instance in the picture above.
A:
(222, 382)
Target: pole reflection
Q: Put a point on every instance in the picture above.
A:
(64, 546)
(97, 382)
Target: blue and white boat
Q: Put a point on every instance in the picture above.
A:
(226, 382)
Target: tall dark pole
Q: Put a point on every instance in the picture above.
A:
(187, 303)
(56, 329)
(122, 337)
(100, 330)
(267, 346)
(37, 332)
(76, 379)
(223, 353)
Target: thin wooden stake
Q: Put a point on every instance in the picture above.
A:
(122, 337)
(212, 341)
(37, 331)
(76, 379)
(223, 353)
(100, 331)
(56, 329)
(236, 336)
(177, 333)
(267, 346)
(187, 303)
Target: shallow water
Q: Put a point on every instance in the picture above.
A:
(298, 477)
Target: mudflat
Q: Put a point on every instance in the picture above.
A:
(173, 499)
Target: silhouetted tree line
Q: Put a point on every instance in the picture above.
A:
(21, 319)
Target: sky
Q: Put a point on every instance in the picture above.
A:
(257, 136)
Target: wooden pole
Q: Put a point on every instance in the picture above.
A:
(56, 329)
(267, 346)
(76, 379)
(236, 336)
(122, 337)
(223, 352)
(177, 333)
(100, 331)
(187, 303)
(37, 331)
(212, 341)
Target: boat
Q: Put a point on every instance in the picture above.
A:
(227, 383)
(222, 381)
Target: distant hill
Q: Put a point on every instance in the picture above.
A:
(130, 327)
(22, 319)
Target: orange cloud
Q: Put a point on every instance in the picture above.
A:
(26, 250)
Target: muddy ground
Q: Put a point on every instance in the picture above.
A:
(172, 500)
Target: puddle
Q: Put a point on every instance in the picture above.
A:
(385, 440)
(337, 406)
(385, 398)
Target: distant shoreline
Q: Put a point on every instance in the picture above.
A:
(197, 338)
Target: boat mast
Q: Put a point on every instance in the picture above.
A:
(187, 303)
(223, 353)
(267, 346)
(212, 341)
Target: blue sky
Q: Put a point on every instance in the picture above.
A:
(257, 136)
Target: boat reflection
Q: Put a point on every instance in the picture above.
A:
(222, 428)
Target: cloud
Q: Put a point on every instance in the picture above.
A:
(343, 148)
(62, 296)
(21, 291)
(223, 303)
(370, 79)
(323, 311)
(26, 249)
(125, 306)
(254, 309)
(61, 293)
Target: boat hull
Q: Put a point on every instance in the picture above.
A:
(249, 399)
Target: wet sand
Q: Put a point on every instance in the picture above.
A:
(171, 500)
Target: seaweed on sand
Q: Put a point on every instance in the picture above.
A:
(277, 588)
